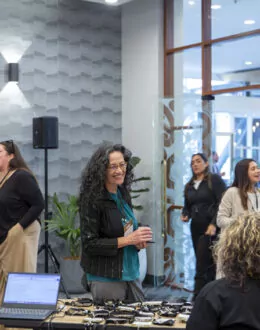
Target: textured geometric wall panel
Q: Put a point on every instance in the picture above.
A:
(69, 54)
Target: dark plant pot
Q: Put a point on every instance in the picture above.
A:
(71, 273)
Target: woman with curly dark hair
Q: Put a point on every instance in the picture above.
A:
(202, 195)
(109, 230)
(233, 302)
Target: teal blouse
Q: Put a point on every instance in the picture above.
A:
(130, 255)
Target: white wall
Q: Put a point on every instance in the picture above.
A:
(142, 111)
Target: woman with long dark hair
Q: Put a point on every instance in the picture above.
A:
(202, 195)
(21, 203)
(110, 234)
(243, 195)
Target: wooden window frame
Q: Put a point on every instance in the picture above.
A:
(205, 45)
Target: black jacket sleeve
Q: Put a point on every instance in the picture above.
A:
(218, 189)
(186, 211)
(91, 241)
(30, 194)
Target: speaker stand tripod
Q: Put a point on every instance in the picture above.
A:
(48, 252)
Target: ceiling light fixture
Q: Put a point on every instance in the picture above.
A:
(249, 22)
(191, 3)
(215, 6)
(111, 1)
(248, 63)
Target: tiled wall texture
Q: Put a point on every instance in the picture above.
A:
(69, 54)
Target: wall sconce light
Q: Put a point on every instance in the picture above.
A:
(13, 72)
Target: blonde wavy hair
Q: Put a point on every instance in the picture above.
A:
(238, 248)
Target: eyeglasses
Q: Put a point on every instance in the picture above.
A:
(114, 167)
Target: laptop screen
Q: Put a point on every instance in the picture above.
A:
(32, 289)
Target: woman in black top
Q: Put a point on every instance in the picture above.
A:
(202, 195)
(21, 203)
(233, 301)
(109, 230)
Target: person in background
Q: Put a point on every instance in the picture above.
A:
(110, 235)
(215, 166)
(233, 301)
(21, 203)
(202, 195)
(243, 195)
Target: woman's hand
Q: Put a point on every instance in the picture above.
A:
(211, 230)
(141, 246)
(140, 236)
(184, 218)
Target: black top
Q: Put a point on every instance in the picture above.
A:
(20, 201)
(204, 201)
(101, 225)
(224, 305)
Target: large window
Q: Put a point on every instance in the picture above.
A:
(212, 82)
(208, 56)
(256, 139)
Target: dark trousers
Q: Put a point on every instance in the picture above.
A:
(205, 266)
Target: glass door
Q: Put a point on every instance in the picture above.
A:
(224, 155)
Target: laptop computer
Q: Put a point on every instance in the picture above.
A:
(29, 296)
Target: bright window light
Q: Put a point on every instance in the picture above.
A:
(248, 63)
(191, 3)
(249, 22)
(111, 1)
(12, 95)
(215, 6)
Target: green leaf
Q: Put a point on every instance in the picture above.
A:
(64, 221)
(135, 196)
(138, 207)
(143, 178)
(139, 190)
(134, 161)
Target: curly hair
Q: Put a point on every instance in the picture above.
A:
(241, 180)
(94, 175)
(238, 248)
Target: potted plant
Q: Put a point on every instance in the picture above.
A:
(65, 224)
(135, 193)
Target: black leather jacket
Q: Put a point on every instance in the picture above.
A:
(202, 204)
(101, 225)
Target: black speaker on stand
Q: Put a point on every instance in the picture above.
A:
(45, 136)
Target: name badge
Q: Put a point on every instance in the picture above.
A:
(128, 228)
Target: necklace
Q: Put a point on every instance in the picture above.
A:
(4, 177)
